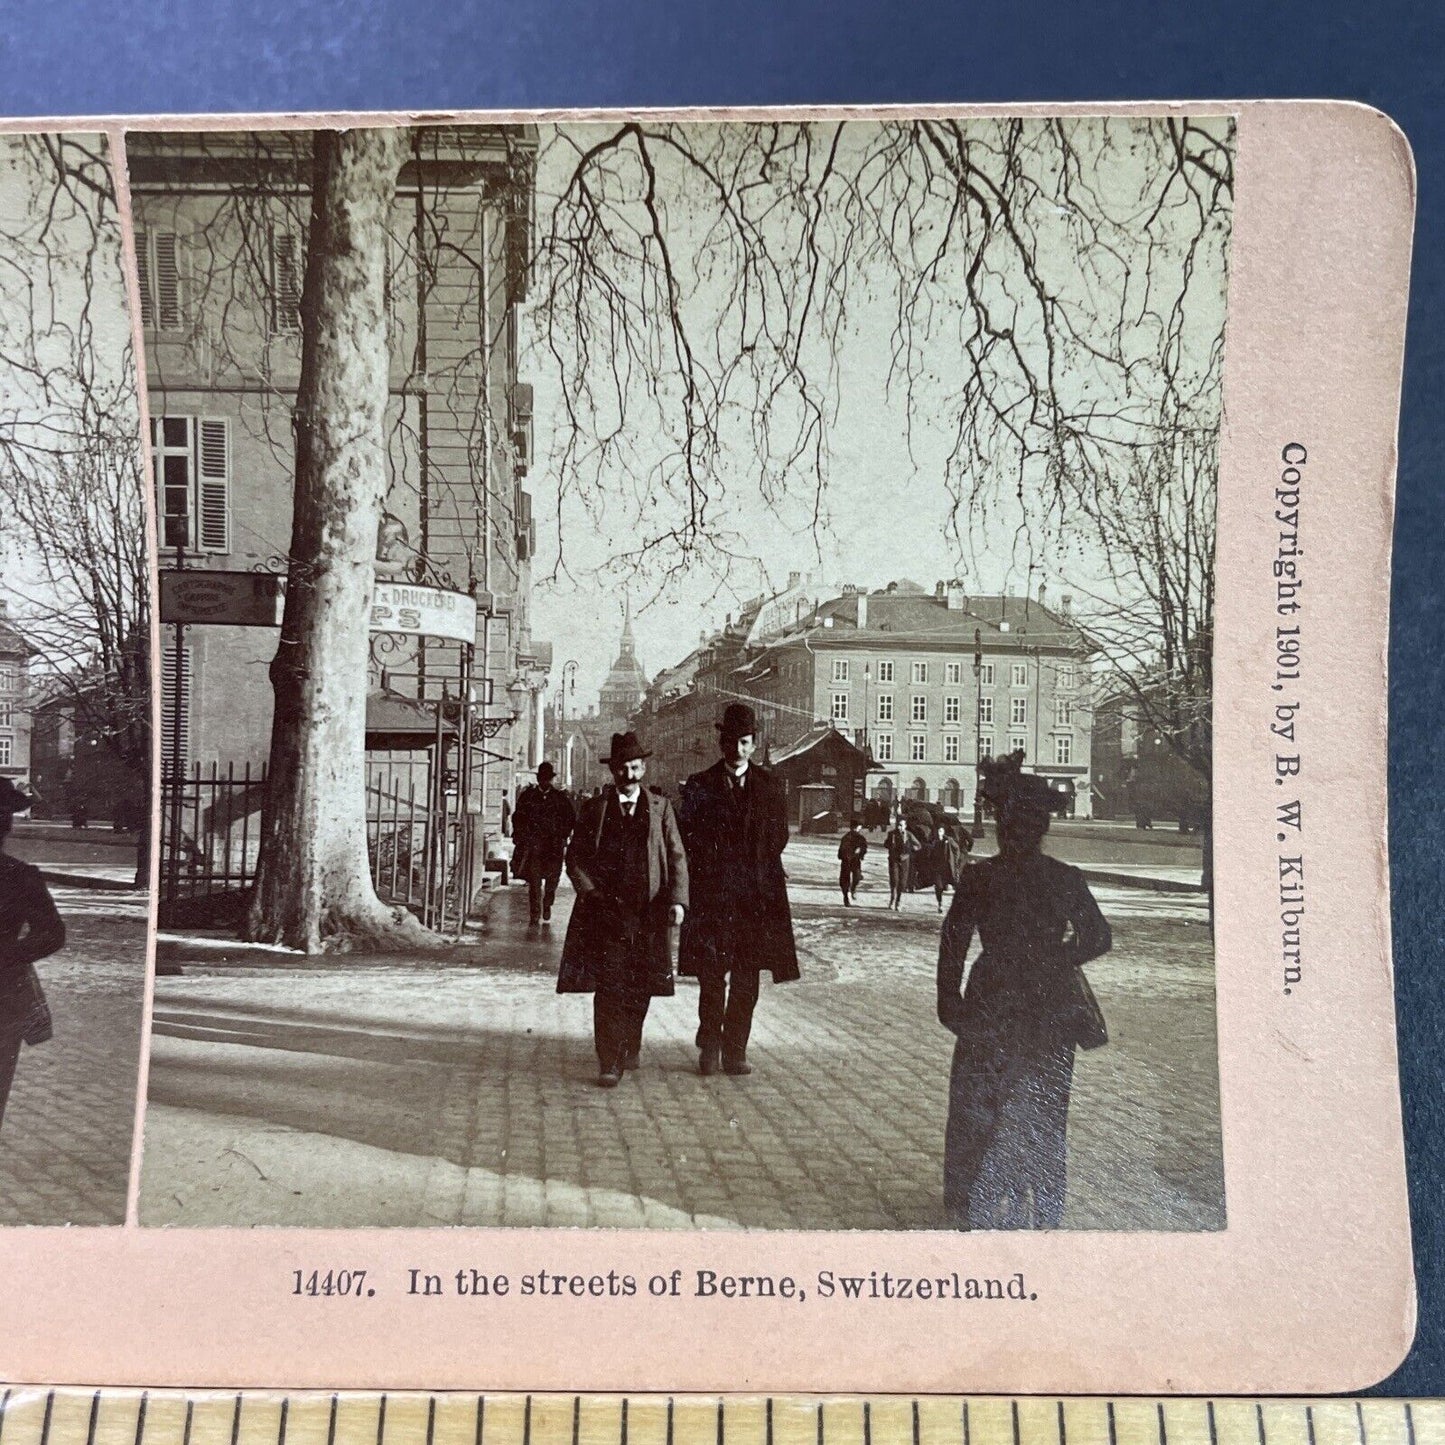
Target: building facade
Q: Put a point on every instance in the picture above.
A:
(221, 250)
(924, 683)
(15, 714)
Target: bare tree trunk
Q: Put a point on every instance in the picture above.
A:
(313, 887)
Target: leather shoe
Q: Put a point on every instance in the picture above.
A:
(610, 1077)
(736, 1066)
(711, 1060)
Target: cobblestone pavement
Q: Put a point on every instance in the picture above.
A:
(399, 1093)
(65, 1143)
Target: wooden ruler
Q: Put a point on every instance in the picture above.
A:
(74, 1416)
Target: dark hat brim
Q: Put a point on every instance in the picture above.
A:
(637, 757)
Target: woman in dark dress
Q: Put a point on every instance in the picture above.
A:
(1026, 1008)
(30, 929)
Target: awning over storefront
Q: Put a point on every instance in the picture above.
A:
(396, 724)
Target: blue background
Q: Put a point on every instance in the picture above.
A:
(69, 57)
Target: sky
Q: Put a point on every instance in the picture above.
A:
(880, 517)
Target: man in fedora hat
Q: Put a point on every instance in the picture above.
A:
(627, 863)
(734, 818)
(541, 825)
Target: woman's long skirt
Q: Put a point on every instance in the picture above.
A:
(1005, 1152)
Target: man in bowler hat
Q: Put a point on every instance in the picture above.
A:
(734, 821)
(627, 863)
(541, 826)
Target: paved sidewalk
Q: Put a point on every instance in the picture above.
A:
(65, 1143)
(403, 1093)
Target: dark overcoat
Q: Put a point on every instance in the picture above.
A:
(594, 926)
(541, 825)
(30, 929)
(739, 893)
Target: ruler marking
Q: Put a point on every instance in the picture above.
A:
(820, 1422)
(1113, 1426)
(915, 1425)
(94, 1419)
(481, 1418)
(331, 1423)
(1063, 1433)
(527, 1424)
(720, 1421)
(967, 1430)
(1409, 1423)
(867, 1424)
(622, 1427)
(236, 1421)
(4, 1406)
(45, 1424)
(190, 1412)
(431, 1419)
(1360, 1422)
(1213, 1427)
(1014, 1415)
(285, 1408)
(1164, 1430)
(140, 1417)
(1310, 1422)
(1259, 1421)
(381, 1419)
(576, 1419)
(768, 1421)
(669, 1420)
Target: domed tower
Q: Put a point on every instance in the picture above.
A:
(626, 684)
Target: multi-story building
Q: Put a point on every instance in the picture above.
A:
(923, 683)
(220, 237)
(15, 720)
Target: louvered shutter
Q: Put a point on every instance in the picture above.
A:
(175, 707)
(143, 266)
(167, 298)
(214, 489)
(285, 281)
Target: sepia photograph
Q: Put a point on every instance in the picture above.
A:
(75, 690)
(686, 673)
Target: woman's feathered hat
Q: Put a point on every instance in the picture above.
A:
(1003, 784)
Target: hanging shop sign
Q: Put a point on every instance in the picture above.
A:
(226, 599)
(423, 612)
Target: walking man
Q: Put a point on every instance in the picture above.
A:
(734, 821)
(627, 864)
(851, 852)
(901, 845)
(541, 825)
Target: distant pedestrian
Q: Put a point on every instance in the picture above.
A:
(1026, 1008)
(948, 856)
(30, 929)
(734, 818)
(901, 846)
(80, 816)
(851, 852)
(541, 826)
(627, 864)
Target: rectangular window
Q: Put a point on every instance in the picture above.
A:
(7, 712)
(1018, 712)
(7, 750)
(1018, 674)
(920, 672)
(840, 669)
(1066, 676)
(985, 710)
(885, 707)
(1064, 750)
(985, 674)
(883, 747)
(192, 460)
(953, 708)
(286, 277)
(158, 264)
(840, 707)
(950, 747)
(1018, 745)
(985, 745)
(1063, 711)
(885, 672)
(918, 748)
(918, 708)
(953, 672)
(7, 679)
